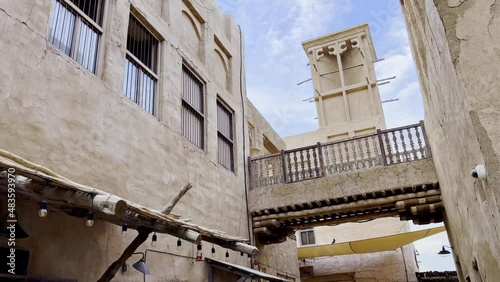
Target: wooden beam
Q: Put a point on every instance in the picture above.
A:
(260, 231)
(104, 203)
(168, 208)
(362, 204)
(115, 266)
(267, 223)
(340, 220)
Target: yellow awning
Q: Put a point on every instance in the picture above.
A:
(372, 245)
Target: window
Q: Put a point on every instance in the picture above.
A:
(141, 65)
(307, 237)
(225, 135)
(75, 29)
(193, 108)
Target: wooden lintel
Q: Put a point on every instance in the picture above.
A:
(358, 205)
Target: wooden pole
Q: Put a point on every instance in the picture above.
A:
(115, 266)
(168, 208)
(107, 204)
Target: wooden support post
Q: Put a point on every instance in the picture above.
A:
(283, 166)
(168, 208)
(250, 175)
(382, 150)
(427, 145)
(115, 266)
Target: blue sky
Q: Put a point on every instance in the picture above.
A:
(275, 63)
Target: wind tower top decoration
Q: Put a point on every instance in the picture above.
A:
(345, 87)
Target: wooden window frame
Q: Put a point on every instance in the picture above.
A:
(187, 106)
(225, 138)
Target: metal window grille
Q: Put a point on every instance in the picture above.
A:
(225, 135)
(193, 108)
(307, 237)
(76, 29)
(140, 66)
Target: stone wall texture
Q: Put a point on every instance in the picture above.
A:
(456, 45)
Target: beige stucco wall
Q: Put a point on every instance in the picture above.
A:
(57, 114)
(344, 184)
(261, 128)
(276, 258)
(382, 266)
(455, 45)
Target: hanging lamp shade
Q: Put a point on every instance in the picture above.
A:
(141, 267)
(12, 227)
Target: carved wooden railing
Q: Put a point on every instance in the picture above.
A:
(386, 147)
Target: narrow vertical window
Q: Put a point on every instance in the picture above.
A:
(225, 135)
(76, 29)
(141, 66)
(307, 237)
(193, 108)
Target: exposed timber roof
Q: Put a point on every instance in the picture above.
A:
(35, 183)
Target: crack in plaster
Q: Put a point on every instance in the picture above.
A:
(492, 17)
(25, 22)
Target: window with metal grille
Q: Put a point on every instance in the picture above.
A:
(225, 135)
(307, 237)
(141, 65)
(76, 30)
(193, 108)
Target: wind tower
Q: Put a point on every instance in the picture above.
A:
(345, 87)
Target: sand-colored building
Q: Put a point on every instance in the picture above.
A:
(110, 107)
(348, 105)
(136, 99)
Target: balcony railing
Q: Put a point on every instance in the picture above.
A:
(386, 147)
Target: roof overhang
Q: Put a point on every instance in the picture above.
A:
(34, 183)
(242, 271)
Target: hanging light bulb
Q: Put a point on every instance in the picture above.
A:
(227, 255)
(90, 219)
(199, 254)
(124, 230)
(213, 250)
(43, 209)
(179, 244)
(154, 239)
(241, 254)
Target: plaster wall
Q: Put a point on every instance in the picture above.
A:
(344, 184)
(79, 124)
(261, 130)
(456, 47)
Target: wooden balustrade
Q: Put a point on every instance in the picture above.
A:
(386, 147)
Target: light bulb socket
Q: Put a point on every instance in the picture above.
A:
(43, 209)
(241, 254)
(199, 247)
(154, 238)
(124, 227)
(179, 243)
(227, 253)
(90, 219)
